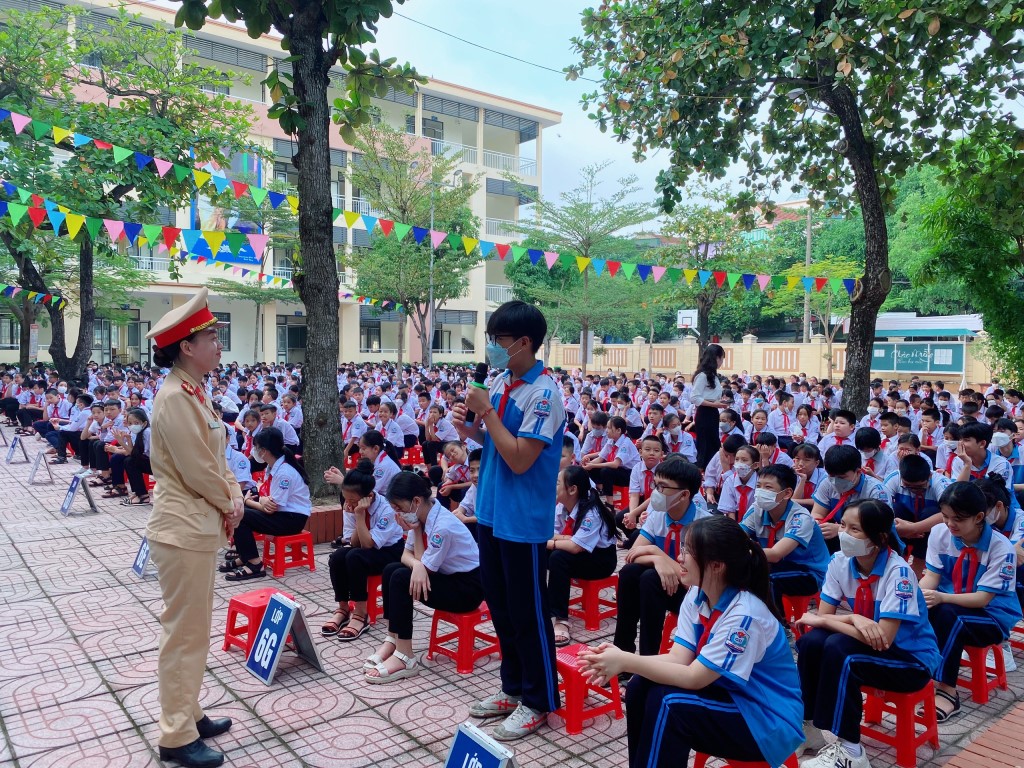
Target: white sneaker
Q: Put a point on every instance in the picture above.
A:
(498, 705)
(836, 756)
(814, 739)
(1008, 661)
(522, 722)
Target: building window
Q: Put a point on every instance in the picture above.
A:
(10, 332)
(369, 336)
(224, 333)
(433, 129)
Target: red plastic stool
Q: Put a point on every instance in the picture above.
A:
(668, 632)
(375, 598)
(793, 607)
(251, 605)
(257, 477)
(465, 634)
(147, 479)
(620, 498)
(576, 689)
(588, 606)
(978, 682)
(413, 456)
(284, 552)
(1017, 638)
(700, 760)
(904, 707)
(351, 461)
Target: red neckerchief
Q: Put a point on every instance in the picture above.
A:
(809, 488)
(977, 474)
(970, 554)
(708, 624)
(918, 503)
(648, 482)
(567, 528)
(753, 437)
(949, 463)
(612, 453)
(265, 485)
(773, 531)
(247, 448)
(840, 504)
(864, 602)
(744, 492)
(885, 443)
(838, 439)
(674, 534)
(869, 465)
(928, 440)
(506, 394)
(348, 428)
(785, 421)
(598, 441)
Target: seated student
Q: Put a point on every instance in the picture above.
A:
(291, 412)
(757, 425)
(971, 575)
(10, 388)
(583, 544)
(769, 452)
(283, 507)
(238, 463)
(792, 542)
(1006, 521)
(729, 658)
(634, 425)
(915, 491)
(889, 427)
(738, 486)
(106, 439)
(807, 427)
(655, 416)
(641, 486)
(596, 437)
(382, 455)
(974, 460)
(1003, 444)
(352, 428)
(611, 467)
(910, 445)
(388, 426)
(809, 473)
(720, 463)
(437, 431)
(466, 511)
(31, 404)
(781, 420)
(843, 424)
(440, 567)
(650, 583)
(729, 423)
(90, 433)
(269, 418)
(452, 477)
(874, 461)
(887, 642)
(945, 454)
(56, 410)
(376, 542)
(678, 441)
(845, 484)
(873, 420)
(930, 431)
(410, 429)
(130, 456)
(70, 433)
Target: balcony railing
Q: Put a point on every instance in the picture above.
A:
(363, 207)
(499, 294)
(284, 272)
(441, 147)
(153, 263)
(500, 228)
(502, 161)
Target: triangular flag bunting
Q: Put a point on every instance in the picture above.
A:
(215, 239)
(20, 122)
(720, 277)
(436, 238)
(131, 232)
(201, 177)
(16, 211)
(276, 198)
(418, 234)
(819, 283)
(808, 283)
(470, 244)
(240, 188)
(235, 242)
(258, 195)
(763, 280)
(59, 134)
(351, 218)
(628, 268)
(673, 274)
(24, 195)
(114, 228)
(258, 243)
(733, 277)
(598, 265)
(703, 275)
(162, 166)
(658, 272)
(170, 235)
(486, 246)
(386, 226)
(121, 154)
(92, 226)
(835, 284)
(181, 172)
(220, 182)
(748, 281)
(152, 234)
(293, 203)
(141, 160)
(369, 222)
(401, 230)
(535, 255)
(689, 275)
(792, 282)
(38, 215)
(80, 139)
(104, 145)
(582, 262)
(502, 249)
(849, 284)
(517, 253)
(454, 241)
(550, 257)
(779, 281)
(74, 223)
(644, 270)
(40, 129)
(191, 238)
(613, 267)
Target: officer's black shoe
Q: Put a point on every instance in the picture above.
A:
(209, 728)
(194, 755)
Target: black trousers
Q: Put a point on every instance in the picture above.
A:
(117, 468)
(453, 592)
(431, 450)
(43, 427)
(834, 666)
(85, 454)
(10, 406)
(135, 468)
(28, 415)
(664, 724)
(254, 521)
(708, 435)
(60, 440)
(100, 458)
(642, 600)
(352, 566)
(791, 579)
(956, 627)
(610, 477)
(514, 577)
(564, 566)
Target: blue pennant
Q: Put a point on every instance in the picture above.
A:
(141, 160)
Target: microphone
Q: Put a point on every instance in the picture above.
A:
(478, 381)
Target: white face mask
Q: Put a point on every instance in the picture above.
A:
(873, 410)
(765, 498)
(661, 503)
(851, 546)
(724, 427)
(1000, 440)
(258, 455)
(950, 444)
(62, 390)
(992, 516)
(868, 455)
(136, 428)
(410, 518)
(742, 468)
(675, 430)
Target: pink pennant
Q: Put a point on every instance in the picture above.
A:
(550, 257)
(258, 243)
(763, 280)
(114, 228)
(436, 238)
(16, 291)
(658, 272)
(161, 248)
(20, 121)
(162, 166)
(236, 270)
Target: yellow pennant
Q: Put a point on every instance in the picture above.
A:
(582, 262)
(59, 134)
(351, 218)
(74, 222)
(201, 178)
(215, 239)
(793, 282)
(469, 243)
(293, 201)
(689, 274)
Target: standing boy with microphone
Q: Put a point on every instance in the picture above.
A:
(524, 418)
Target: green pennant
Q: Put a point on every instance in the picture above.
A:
(733, 278)
(401, 230)
(567, 259)
(93, 226)
(455, 241)
(517, 253)
(335, 213)
(121, 154)
(259, 194)
(673, 274)
(836, 284)
(628, 269)
(236, 240)
(153, 233)
(16, 212)
(40, 129)
(24, 195)
(180, 171)
(778, 281)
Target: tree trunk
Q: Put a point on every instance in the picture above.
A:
(318, 285)
(584, 330)
(25, 318)
(256, 340)
(703, 323)
(402, 326)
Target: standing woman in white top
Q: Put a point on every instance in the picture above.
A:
(707, 400)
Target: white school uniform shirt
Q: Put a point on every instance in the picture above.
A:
(780, 423)
(594, 442)
(445, 431)
(632, 417)
(238, 463)
(577, 450)
(729, 499)
(77, 423)
(293, 417)
(468, 502)
(638, 478)
(994, 464)
(352, 430)
(384, 471)
(713, 472)
(875, 422)
(449, 547)
(288, 489)
(572, 405)
(384, 529)
(147, 436)
(830, 440)
(624, 451)
(682, 444)
(884, 464)
(59, 410)
(592, 533)
(392, 433)
(408, 425)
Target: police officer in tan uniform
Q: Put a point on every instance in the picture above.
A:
(197, 504)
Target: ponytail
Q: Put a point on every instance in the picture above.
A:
(577, 477)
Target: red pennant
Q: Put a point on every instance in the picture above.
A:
(37, 201)
(819, 283)
(386, 225)
(720, 278)
(47, 298)
(38, 215)
(102, 144)
(200, 260)
(240, 188)
(170, 235)
(502, 250)
(613, 267)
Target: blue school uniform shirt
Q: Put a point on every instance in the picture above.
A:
(522, 507)
(997, 571)
(905, 502)
(866, 488)
(798, 525)
(897, 596)
(748, 648)
(658, 524)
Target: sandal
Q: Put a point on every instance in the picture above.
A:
(115, 492)
(412, 667)
(335, 625)
(374, 658)
(350, 633)
(246, 572)
(132, 501)
(941, 715)
(58, 460)
(99, 482)
(231, 565)
(562, 638)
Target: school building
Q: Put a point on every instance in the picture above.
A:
(493, 135)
